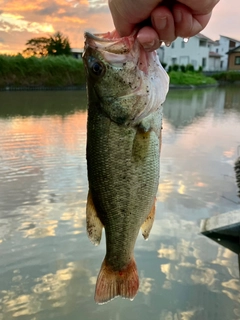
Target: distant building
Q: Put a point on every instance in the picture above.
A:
(224, 45)
(196, 52)
(160, 52)
(234, 58)
(200, 51)
(77, 53)
(214, 61)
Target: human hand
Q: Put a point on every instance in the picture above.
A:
(162, 20)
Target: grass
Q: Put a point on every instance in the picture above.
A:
(46, 71)
(190, 78)
(228, 76)
(65, 71)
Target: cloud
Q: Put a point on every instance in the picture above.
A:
(3, 46)
(16, 6)
(98, 6)
(21, 20)
(49, 10)
(11, 22)
(97, 3)
(68, 19)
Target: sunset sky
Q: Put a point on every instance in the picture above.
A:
(21, 20)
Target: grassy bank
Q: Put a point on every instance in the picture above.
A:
(227, 76)
(190, 78)
(61, 71)
(47, 71)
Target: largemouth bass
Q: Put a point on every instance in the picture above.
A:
(126, 87)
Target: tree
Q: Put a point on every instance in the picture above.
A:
(53, 45)
(58, 44)
(37, 46)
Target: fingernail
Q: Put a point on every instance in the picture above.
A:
(148, 46)
(160, 23)
(178, 16)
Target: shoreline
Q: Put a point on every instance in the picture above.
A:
(43, 88)
(83, 87)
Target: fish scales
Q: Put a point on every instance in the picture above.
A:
(123, 146)
(122, 174)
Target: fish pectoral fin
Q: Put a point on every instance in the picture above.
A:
(94, 224)
(148, 223)
(111, 283)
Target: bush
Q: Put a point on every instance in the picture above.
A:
(200, 69)
(183, 68)
(46, 71)
(229, 76)
(169, 69)
(175, 67)
(190, 67)
(190, 78)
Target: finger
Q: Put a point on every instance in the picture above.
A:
(186, 23)
(201, 20)
(163, 23)
(148, 38)
(123, 27)
(200, 8)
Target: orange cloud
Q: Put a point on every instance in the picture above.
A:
(23, 5)
(13, 22)
(61, 11)
(66, 19)
(72, 3)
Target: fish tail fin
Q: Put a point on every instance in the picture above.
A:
(111, 284)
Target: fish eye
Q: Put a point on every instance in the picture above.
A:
(97, 68)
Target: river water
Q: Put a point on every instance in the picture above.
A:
(48, 267)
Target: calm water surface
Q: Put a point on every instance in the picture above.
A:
(48, 267)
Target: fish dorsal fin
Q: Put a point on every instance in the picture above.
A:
(148, 223)
(94, 224)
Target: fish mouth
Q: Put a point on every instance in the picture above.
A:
(108, 36)
(103, 37)
(110, 42)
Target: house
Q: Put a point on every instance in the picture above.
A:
(214, 61)
(234, 58)
(198, 51)
(77, 53)
(224, 45)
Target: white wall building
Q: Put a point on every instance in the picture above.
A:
(200, 51)
(224, 44)
(77, 53)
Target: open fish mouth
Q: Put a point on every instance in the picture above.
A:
(110, 42)
(105, 37)
(109, 36)
(125, 56)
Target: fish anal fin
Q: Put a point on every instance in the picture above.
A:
(148, 223)
(94, 224)
(110, 283)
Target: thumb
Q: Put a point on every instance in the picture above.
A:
(123, 27)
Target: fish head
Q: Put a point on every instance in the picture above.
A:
(125, 81)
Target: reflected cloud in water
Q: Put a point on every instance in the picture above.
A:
(45, 229)
(48, 267)
(52, 290)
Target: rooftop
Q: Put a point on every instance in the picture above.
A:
(232, 39)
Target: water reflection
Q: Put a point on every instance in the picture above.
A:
(50, 291)
(48, 267)
(39, 103)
